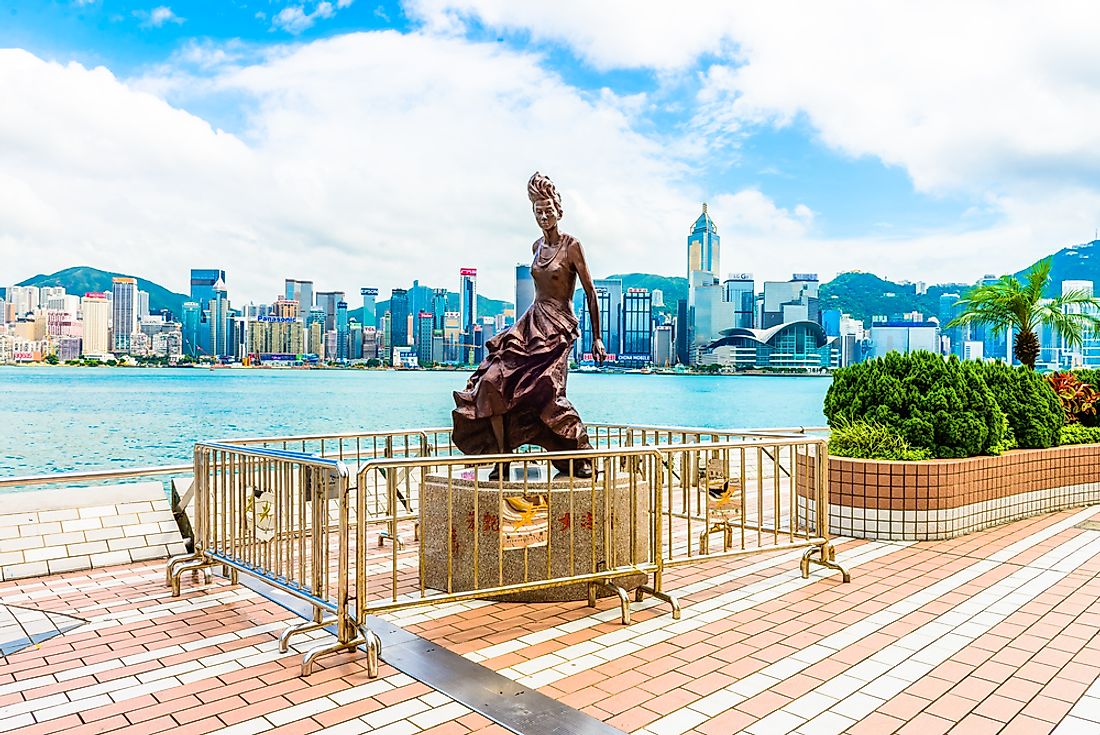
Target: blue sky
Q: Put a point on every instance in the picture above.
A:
(819, 148)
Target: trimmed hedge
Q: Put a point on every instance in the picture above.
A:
(1078, 434)
(1032, 407)
(942, 405)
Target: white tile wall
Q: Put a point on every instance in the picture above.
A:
(53, 540)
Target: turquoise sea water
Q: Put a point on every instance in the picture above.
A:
(62, 419)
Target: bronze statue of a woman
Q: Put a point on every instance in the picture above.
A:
(517, 395)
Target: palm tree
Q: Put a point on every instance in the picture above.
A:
(1009, 304)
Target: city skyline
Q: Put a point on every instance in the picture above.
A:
(388, 143)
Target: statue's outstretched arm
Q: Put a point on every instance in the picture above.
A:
(581, 266)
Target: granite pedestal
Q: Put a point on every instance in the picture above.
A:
(569, 525)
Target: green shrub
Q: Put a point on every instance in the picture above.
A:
(940, 405)
(870, 440)
(1087, 375)
(1080, 434)
(1029, 402)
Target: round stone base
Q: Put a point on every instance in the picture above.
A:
(513, 544)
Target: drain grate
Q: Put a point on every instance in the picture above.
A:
(523, 711)
(23, 627)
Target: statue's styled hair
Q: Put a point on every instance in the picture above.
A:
(541, 187)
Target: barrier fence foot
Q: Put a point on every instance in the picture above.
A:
(374, 652)
(623, 595)
(195, 565)
(671, 600)
(169, 568)
(304, 627)
(825, 556)
(311, 656)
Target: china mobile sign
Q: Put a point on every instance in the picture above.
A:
(468, 272)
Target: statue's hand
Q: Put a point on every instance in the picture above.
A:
(599, 354)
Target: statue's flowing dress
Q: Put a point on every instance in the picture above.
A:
(523, 376)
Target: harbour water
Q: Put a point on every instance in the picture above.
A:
(65, 419)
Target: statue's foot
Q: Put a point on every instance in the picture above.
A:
(579, 469)
(495, 474)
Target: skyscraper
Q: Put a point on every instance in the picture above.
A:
(702, 245)
(467, 294)
(425, 327)
(342, 345)
(525, 289)
(327, 301)
(23, 298)
(202, 284)
(124, 318)
(96, 313)
(741, 292)
(192, 319)
(439, 307)
(220, 341)
(637, 350)
(399, 318)
(142, 304)
(370, 318)
(300, 291)
(609, 299)
(790, 301)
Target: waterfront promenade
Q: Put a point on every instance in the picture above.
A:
(993, 632)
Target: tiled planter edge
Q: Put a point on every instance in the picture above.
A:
(940, 499)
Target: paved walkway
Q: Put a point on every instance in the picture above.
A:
(994, 632)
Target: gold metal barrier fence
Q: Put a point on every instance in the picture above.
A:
(526, 526)
(281, 517)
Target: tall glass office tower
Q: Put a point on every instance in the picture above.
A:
(525, 289)
(399, 317)
(124, 318)
(328, 300)
(300, 291)
(741, 292)
(342, 330)
(637, 348)
(370, 318)
(702, 245)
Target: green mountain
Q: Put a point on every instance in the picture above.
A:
(864, 295)
(80, 279)
(1075, 263)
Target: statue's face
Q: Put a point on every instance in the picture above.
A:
(546, 213)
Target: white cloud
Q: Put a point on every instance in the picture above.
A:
(294, 19)
(958, 94)
(989, 101)
(157, 17)
(608, 34)
(375, 158)
(368, 159)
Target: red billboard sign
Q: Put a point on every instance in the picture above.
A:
(468, 272)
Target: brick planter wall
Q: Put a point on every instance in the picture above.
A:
(938, 499)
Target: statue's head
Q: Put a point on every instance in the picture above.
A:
(545, 200)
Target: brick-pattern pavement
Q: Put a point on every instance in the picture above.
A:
(994, 632)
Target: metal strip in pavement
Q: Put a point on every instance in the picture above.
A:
(522, 710)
